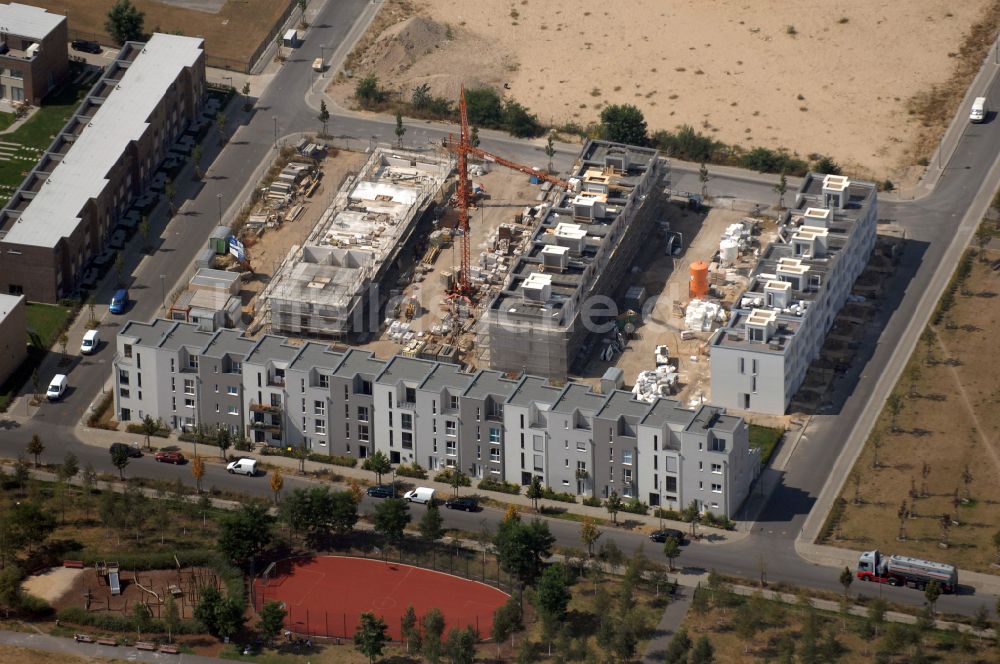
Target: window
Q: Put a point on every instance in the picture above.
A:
(434, 406)
(237, 367)
(128, 353)
(410, 395)
(746, 401)
(756, 334)
(347, 430)
(363, 433)
(123, 391)
(122, 377)
(390, 399)
(173, 384)
(434, 425)
(494, 435)
(435, 448)
(324, 380)
(406, 421)
(407, 439)
(495, 454)
(366, 387)
(753, 384)
(232, 390)
(753, 366)
(276, 400)
(451, 448)
(450, 428)
(478, 436)
(189, 403)
(478, 412)
(234, 410)
(188, 386)
(453, 402)
(193, 361)
(479, 452)
(701, 465)
(321, 427)
(716, 488)
(742, 362)
(717, 468)
(627, 456)
(581, 446)
(319, 407)
(390, 418)
(362, 414)
(671, 484)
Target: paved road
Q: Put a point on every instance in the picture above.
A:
(934, 224)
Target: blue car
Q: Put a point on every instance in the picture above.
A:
(119, 301)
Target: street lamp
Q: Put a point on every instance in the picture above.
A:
(218, 197)
(275, 118)
(163, 291)
(230, 79)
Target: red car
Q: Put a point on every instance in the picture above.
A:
(169, 457)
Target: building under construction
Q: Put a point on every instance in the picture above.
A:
(331, 284)
(540, 321)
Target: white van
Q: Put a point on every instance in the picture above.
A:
(57, 387)
(978, 112)
(243, 466)
(91, 339)
(421, 494)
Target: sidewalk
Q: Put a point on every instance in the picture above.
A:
(670, 622)
(62, 646)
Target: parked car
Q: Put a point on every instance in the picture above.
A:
(57, 388)
(169, 457)
(244, 466)
(119, 301)
(381, 491)
(421, 494)
(132, 450)
(91, 340)
(86, 46)
(467, 503)
(660, 536)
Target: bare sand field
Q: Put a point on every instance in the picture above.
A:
(832, 77)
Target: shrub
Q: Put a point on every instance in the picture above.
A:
(635, 506)
(100, 410)
(688, 144)
(519, 122)
(112, 622)
(162, 432)
(447, 474)
(723, 522)
(887, 185)
(346, 462)
(414, 470)
(484, 107)
(368, 92)
(491, 484)
(827, 166)
(592, 501)
(673, 515)
(562, 497)
(773, 161)
(623, 123)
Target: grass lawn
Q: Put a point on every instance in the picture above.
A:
(938, 456)
(6, 120)
(47, 321)
(765, 439)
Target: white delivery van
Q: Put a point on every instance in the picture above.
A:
(91, 339)
(421, 494)
(978, 112)
(57, 387)
(243, 466)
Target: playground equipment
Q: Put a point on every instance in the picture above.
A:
(107, 572)
(143, 588)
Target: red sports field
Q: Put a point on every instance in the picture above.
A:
(325, 596)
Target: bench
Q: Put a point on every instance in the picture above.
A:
(145, 645)
(107, 642)
(73, 564)
(170, 650)
(83, 638)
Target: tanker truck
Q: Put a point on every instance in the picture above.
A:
(906, 571)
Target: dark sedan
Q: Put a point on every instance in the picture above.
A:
(380, 491)
(86, 46)
(132, 450)
(660, 536)
(467, 503)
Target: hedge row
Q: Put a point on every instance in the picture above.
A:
(493, 484)
(111, 622)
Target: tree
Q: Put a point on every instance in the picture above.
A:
(171, 616)
(613, 504)
(433, 624)
(895, 405)
(846, 579)
(390, 518)
(377, 463)
(324, 115)
(409, 629)
(703, 652)
(318, 513)
(623, 123)
(506, 620)
(124, 22)
(521, 547)
(535, 491)
(368, 93)
(196, 158)
(140, 616)
(144, 230)
(220, 124)
(551, 597)
(170, 192)
(474, 137)
(206, 611)
(945, 524)
(421, 97)
(63, 341)
(703, 178)
(70, 466)
(21, 472)
(967, 480)
(150, 427)
(932, 591)
(223, 440)
(119, 267)
(677, 649)
(272, 618)
(246, 533)
(246, 96)
(36, 447)
(229, 617)
(692, 515)
(277, 481)
(781, 189)
(400, 129)
(876, 442)
(747, 624)
(461, 645)
(431, 524)
(457, 479)
(91, 303)
(11, 594)
(28, 526)
(671, 549)
(197, 471)
(876, 613)
(550, 150)
(589, 534)
(119, 459)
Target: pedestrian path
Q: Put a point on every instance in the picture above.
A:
(670, 622)
(62, 646)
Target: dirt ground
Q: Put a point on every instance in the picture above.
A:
(16, 655)
(768, 73)
(234, 31)
(52, 584)
(948, 419)
(189, 580)
(267, 252)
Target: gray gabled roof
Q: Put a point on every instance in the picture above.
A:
(272, 348)
(405, 368)
(534, 389)
(148, 334)
(446, 376)
(667, 411)
(490, 383)
(621, 403)
(228, 342)
(359, 362)
(186, 335)
(317, 355)
(578, 396)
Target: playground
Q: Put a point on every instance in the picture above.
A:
(325, 596)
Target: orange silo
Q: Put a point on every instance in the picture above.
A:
(699, 280)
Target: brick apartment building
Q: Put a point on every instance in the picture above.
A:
(103, 159)
(33, 52)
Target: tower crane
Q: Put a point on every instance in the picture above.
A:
(463, 148)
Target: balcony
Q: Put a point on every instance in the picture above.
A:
(264, 408)
(275, 381)
(264, 425)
